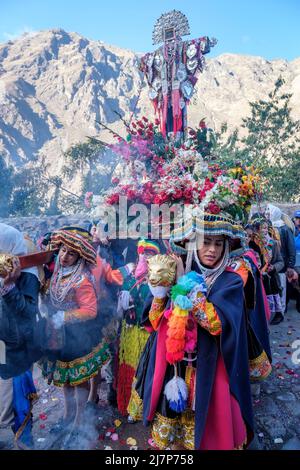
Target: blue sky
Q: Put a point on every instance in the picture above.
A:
(269, 28)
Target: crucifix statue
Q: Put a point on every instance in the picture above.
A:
(171, 70)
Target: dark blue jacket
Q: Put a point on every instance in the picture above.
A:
(17, 325)
(288, 250)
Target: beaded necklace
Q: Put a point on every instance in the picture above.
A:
(58, 288)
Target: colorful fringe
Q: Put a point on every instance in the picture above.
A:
(132, 343)
(125, 379)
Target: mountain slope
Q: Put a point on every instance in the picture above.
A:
(55, 86)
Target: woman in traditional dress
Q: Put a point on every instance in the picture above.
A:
(75, 339)
(200, 336)
(271, 262)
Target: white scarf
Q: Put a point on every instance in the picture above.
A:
(275, 216)
(12, 242)
(211, 274)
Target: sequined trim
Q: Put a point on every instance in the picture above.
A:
(260, 367)
(82, 369)
(156, 312)
(186, 430)
(205, 314)
(135, 406)
(180, 430)
(190, 376)
(163, 431)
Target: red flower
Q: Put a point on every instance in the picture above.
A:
(178, 194)
(202, 124)
(192, 132)
(157, 122)
(145, 119)
(147, 198)
(115, 180)
(213, 208)
(113, 199)
(188, 193)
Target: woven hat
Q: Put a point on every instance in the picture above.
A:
(76, 238)
(147, 246)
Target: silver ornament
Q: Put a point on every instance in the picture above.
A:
(181, 72)
(191, 50)
(192, 64)
(152, 94)
(187, 89)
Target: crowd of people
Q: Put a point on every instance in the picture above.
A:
(181, 356)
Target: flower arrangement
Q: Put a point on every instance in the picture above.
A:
(159, 171)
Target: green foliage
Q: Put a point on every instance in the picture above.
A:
(95, 163)
(23, 192)
(29, 192)
(6, 185)
(270, 143)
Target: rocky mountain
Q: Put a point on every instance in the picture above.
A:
(55, 86)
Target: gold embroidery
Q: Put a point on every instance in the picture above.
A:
(156, 311)
(163, 431)
(206, 315)
(259, 367)
(80, 360)
(168, 431)
(135, 406)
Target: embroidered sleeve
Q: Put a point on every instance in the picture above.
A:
(157, 311)
(242, 268)
(205, 314)
(87, 303)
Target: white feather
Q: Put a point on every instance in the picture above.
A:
(172, 388)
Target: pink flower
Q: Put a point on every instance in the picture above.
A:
(87, 199)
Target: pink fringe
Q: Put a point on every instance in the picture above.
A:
(177, 115)
(190, 336)
(168, 313)
(164, 115)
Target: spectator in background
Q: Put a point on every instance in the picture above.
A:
(296, 220)
(287, 246)
(294, 293)
(271, 262)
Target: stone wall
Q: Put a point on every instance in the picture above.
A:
(37, 226)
